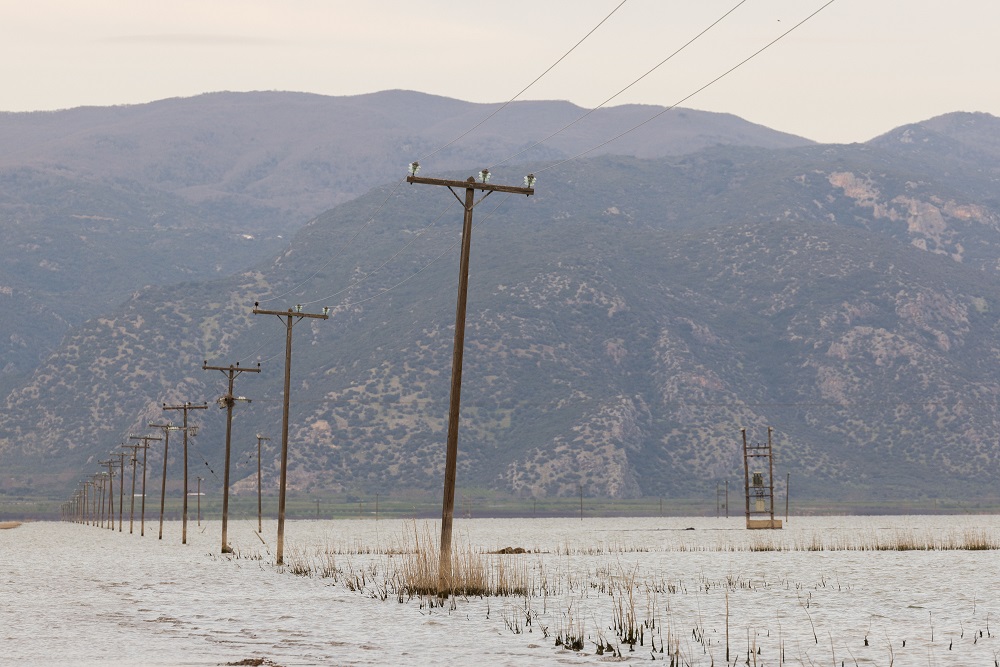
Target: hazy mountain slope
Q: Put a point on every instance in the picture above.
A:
(96, 203)
(623, 324)
(303, 153)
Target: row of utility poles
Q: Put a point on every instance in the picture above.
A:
(93, 503)
(82, 507)
(77, 508)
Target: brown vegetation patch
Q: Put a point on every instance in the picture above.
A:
(510, 550)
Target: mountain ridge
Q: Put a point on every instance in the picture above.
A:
(623, 324)
(98, 202)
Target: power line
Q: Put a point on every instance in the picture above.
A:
(525, 89)
(605, 102)
(585, 115)
(690, 95)
(439, 149)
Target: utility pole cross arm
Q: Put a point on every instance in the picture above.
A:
(471, 184)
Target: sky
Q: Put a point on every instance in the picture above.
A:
(855, 70)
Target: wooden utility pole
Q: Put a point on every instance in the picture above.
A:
(166, 449)
(199, 499)
(111, 492)
(106, 491)
(167, 428)
(86, 503)
(145, 450)
(259, 505)
(290, 318)
(788, 490)
(95, 494)
(99, 500)
(131, 511)
(187, 405)
(121, 489)
(451, 459)
(101, 487)
(227, 402)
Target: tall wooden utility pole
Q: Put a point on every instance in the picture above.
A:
(290, 317)
(227, 402)
(79, 504)
(259, 513)
(86, 503)
(184, 512)
(167, 428)
(470, 186)
(199, 499)
(121, 488)
(788, 487)
(131, 511)
(145, 450)
(108, 483)
(111, 491)
(99, 488)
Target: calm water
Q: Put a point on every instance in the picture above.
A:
(79, 595)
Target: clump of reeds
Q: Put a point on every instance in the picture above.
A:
(762, 542)
(473, 573)
(570, 632)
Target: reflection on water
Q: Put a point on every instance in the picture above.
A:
(809, 594)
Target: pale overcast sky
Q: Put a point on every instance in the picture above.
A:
(857, 69)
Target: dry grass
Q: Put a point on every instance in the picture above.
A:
(409, 568)
(473, 573)
(7, 525)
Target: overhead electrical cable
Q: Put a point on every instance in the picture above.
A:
(605, 102)
(578, 155)
(525, 89)
(438, 150)
(690, 95)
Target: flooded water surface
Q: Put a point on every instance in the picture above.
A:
(823, 591)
